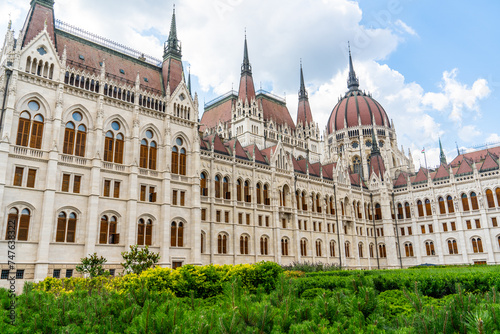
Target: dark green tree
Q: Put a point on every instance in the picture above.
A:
(92, 265)
(137, 260)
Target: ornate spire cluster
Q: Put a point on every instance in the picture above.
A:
(352, 80)
(375, 149)
(173, 45)
(442, 157)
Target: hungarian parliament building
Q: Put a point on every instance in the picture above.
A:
(103, 147)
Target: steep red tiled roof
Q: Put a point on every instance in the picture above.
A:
(377, 166)
(401, 180)
(247, 88)
(421, 176)
(220, 112)
(259, 157)
(441, 172)
(268, 152)
(276, 111)
(304, 113)
(298, 166)
(314, 169)
(476, 156)
(465, 167)
(328, 170)
(236, 147)
(172, 73)
(35, 22)
(204, 144)
(489, 163)
(114, 62)
(219, 145)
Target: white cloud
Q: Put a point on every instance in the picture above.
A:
(469, 133)
(493, 138)
(406, 28)
(457, 95)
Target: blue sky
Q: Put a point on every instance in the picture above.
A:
(431, 64)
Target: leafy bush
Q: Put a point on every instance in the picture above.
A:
(92, 265)
(137, 260)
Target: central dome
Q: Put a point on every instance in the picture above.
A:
(357, 109)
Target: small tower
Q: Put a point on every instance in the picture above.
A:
(377, 165)
(247, 117)
(352, 80)
(172, 70)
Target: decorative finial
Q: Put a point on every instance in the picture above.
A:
(10, 23)
(352, 80)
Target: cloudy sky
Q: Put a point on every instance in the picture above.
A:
(431, 64)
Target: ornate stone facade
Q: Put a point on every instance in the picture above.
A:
(102, 148)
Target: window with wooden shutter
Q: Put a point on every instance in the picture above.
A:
(71, 231)
(473, 199)
(61, 227)
(65, 182)
(12, 220)
(143, 159)
(31, 178)
(69, 138)
(173, 234)
(152, 155)
(119, 143)
(152, 194)
(107, 188)
(174, 197)
(182, 162)
(149, 233)
(143, 193)
(465, 202)
(81, 138)
(103, 234)
(18, 176)
(442, 209)
(76, 183)
(24, 225)
(175, 160)
(140, 232)
(180, 235)
(116, 189)
(113, 236)
(37, 132)
(108, 146)
(23, 130)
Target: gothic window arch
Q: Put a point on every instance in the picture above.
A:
(347, 248)
(477, 245)
(114, 143)
(264, 245)
(284, 246)
(148, 151)
(303, 247)
(239, 189)
(360, 249)
(75, 135)
(18, 224)
(407, 210)
(497, 192)
(225, 188)
(222, 243)
(244, 241)
(217, 186)
(203, 184)
(259, 193)
(473, 200)
(408, 249)
(442, 208)
(465, 202)
(449, 203)
(371, 250)
(319, 247)
(203, 237)
(30, 128)
(304, 200)
(246, 192)
(382, 251)
(145, 232)
(429, 248)
(177, 234)
(332, 248)
(378, 211)
(356, 163)
(267, 200)
(179, 158)
(420, 208)
(108, 229)
(428, 209)
(490, 199)
(452, 246)
(400, 211)
(66, 227)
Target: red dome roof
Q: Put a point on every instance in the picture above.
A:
(356, 109)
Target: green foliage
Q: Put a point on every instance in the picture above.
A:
(139, 259)
(162, 300)
(92, 265)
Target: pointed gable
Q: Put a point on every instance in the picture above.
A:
(421, 176)
(314, 169)
(465, 167)
(489, 163)
(238, 149)
(298, 166)
(377, 166)
(441, 173)
(328, 171)
(476, 156)
(401, 181)
(219, 111)
(268, 152)
(218, 145)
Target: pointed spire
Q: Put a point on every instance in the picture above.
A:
(172, 46)
(458, 151)
(302, 91)
(442, 157)
(246, 68)
(189, 82)
(352, 81)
